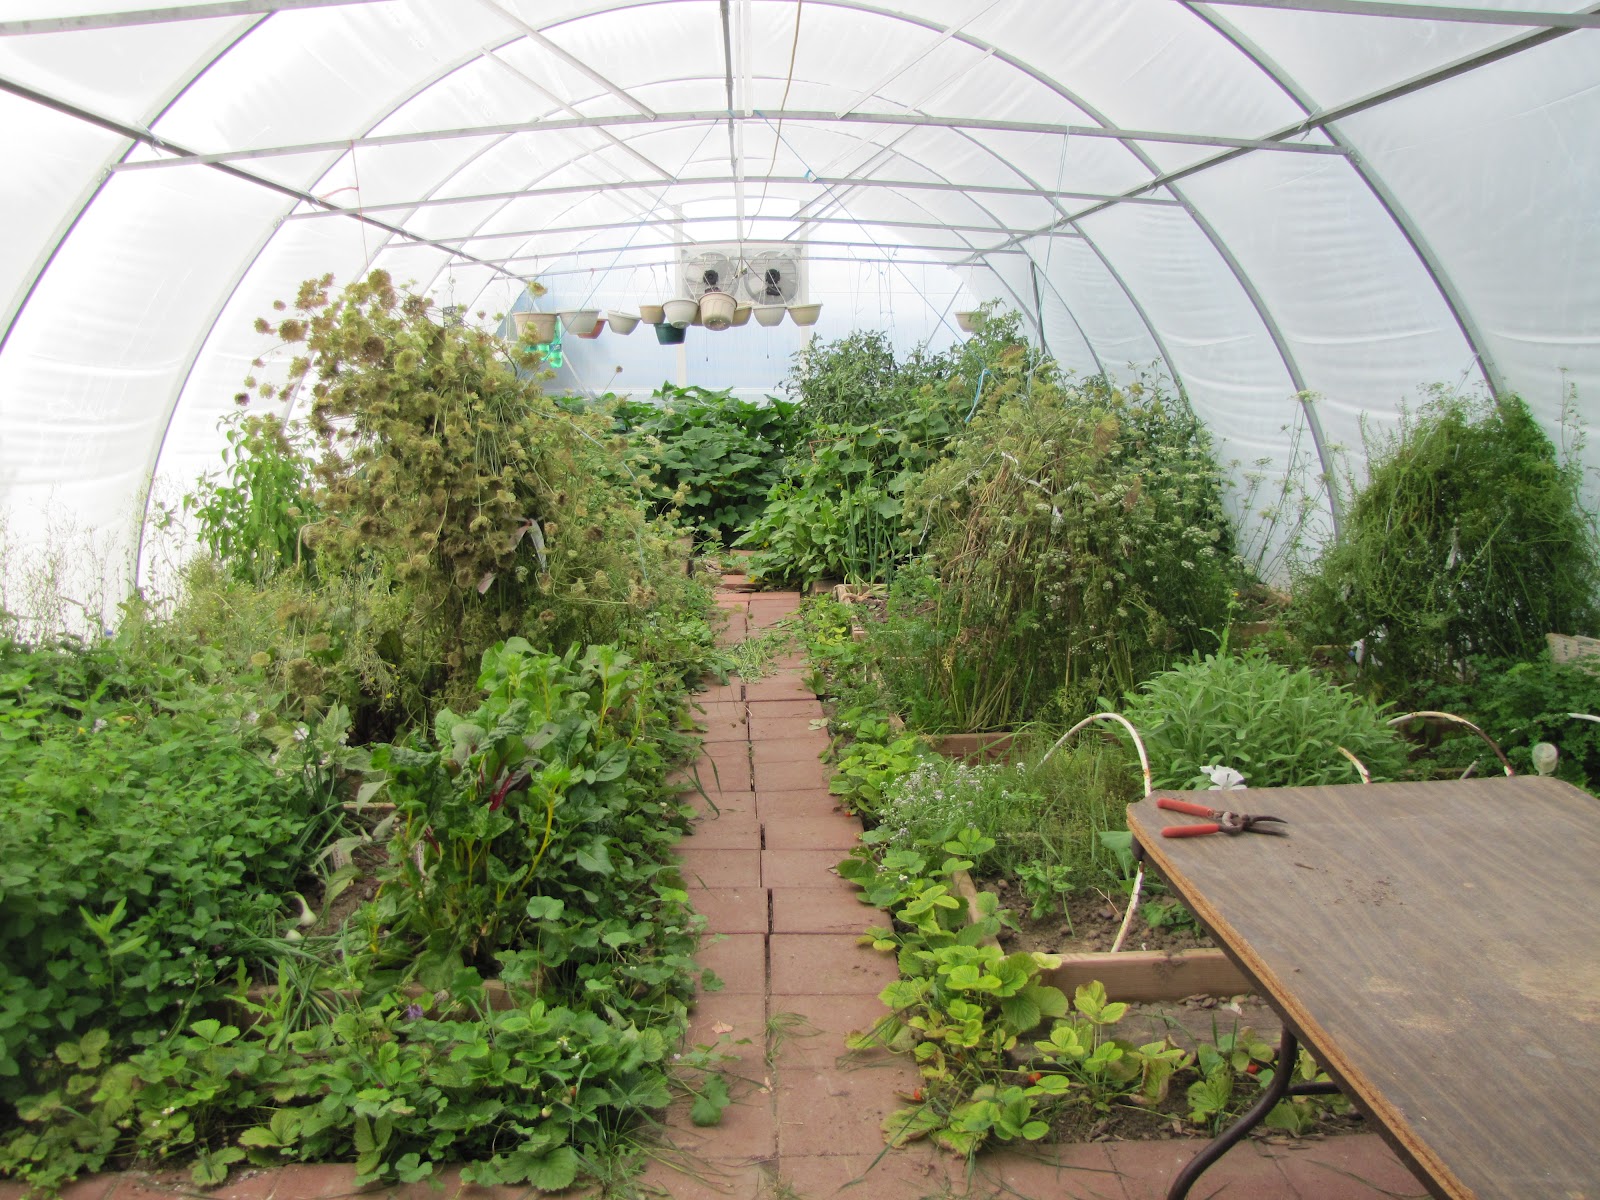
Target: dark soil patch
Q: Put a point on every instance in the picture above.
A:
(1130, 1123)
(368, 860)
(1089, 924)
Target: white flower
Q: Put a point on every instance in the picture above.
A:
(1224, 779)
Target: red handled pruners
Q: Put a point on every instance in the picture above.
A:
(1221, 821)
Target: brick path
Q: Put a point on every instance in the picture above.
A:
(805, 1124)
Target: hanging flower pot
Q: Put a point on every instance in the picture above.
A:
(621, 322)
(969, 321)
(536, 328)
(717, 309)
(580, 322)
(741, 315)
(670, 335)
(652, 314)
(680, 312)
(770, 314)
(599, 328)
(805, 314)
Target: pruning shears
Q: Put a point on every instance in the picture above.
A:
(1221, 821)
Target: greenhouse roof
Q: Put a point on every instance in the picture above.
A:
(1301, 210)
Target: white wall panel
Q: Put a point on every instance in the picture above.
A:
(118, 73)
(1070, 270)
(1233, 375)
(1500, 170)
(92, 362)
(52, 160)
(1364, 320)
(300, 250)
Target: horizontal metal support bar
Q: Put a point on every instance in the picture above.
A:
(959, 251)
(729, 219)
(792, 116)
(1428, 12)
(160, 16)
(144, 137)
(1330, 116)
(900, 185)
(856, 260)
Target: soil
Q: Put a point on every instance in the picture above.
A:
(1090, 925)
(361, 889)
(1130, 1123)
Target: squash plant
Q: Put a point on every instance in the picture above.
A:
(708, 455)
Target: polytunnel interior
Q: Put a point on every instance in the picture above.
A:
(1301, 211)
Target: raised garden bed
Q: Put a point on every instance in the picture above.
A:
(975, 747)
(1144, 976)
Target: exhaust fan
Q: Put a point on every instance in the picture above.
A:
(772, 277)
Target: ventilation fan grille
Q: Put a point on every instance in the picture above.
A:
(753, 272)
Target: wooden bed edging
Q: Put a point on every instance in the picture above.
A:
(1150, 976)
(1136, 976)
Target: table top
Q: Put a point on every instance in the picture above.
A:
(1437, 948)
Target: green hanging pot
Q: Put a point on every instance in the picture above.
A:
(670, 335)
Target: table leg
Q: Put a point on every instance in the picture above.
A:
(1282, 1085)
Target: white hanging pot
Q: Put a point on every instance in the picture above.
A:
(537, 328)
(805, 314)
(622, 322)
(741, 315)
(580, 322)
(680, 312)
(652, 314)
(969, 321)
(770, 314)
(717, 309)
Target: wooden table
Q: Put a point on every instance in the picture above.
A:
(1436, 946)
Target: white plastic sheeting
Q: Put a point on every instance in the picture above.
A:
(1302, 215)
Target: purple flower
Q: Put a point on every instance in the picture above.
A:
(413, 1012)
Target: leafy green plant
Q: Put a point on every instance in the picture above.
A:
(531, 841)
(844, 381)
(1276, 727)
(1469, 538)
(252, 521)
(873, 759)
(875, 423)
(710, 456)
(472, 506)
(152, 831)
(1214, 1097)
(1075, 541)
(1045, 885)
(532, 827)
(1519, 704)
